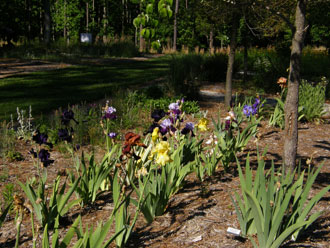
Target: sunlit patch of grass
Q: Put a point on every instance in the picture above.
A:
(51, 89)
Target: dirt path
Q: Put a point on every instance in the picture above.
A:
(10, 67)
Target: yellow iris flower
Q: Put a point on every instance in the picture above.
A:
(154, 134)
(202, 125)
(163, 158)
(161, 149)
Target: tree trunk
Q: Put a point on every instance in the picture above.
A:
(87, 16)
(141, 40)
(64, 26)
(231, 60)
(175, 24)
(211, 48)
(141, 44)
(123, 17)
(292, 99)
(105, 22)
(245, 60)
(47, 21)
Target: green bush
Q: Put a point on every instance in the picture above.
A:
(184, 75)
(312, 98)
(215, 68)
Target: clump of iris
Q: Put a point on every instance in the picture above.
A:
(249, 110)
(169, 124)
(42, 154)
(109, 115)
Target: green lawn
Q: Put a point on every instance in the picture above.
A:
(49, 90)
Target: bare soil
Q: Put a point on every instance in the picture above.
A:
(198, 215)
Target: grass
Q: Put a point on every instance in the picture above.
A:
(48, 90)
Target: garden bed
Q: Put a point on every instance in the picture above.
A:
(199, 214)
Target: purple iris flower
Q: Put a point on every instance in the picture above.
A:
(67, 116)
(41, 138)
(167, 123)
(165, 126)
(175, 108)
(157, 114)
(64, 135)
(227, 124)
(188, 128)
(44, 157)
(110, 113)
(247, 110)
(112, 135)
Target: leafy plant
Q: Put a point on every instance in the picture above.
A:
(58, 204)
(24, 128)
(311, 99)
(124, 223)
(8, 195)
(275, 206)
(161, 183)
(14, 156)
(56, 243)
(8, 138)
(207, 163)
(277, 119)
(4, 214)
(92, 176)
(231, 140)
(183, 75)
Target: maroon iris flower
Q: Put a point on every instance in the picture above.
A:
(131, 140)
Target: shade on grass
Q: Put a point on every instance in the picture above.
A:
(49, 90)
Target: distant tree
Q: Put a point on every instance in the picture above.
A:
(47, 21)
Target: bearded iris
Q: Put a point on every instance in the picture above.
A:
(158, 114)
(155, 134)
(67, 116)
(41, 138)
(112, 135)
(44, 157)
(189, 128)
(166, 125)
(161, 151)
(110, 113)
(202, 125)
(249, 110)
